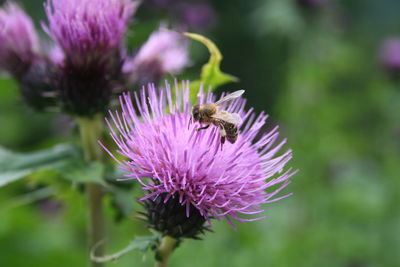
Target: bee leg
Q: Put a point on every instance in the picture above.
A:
(223, 136)
(203, 128)
(190, 122)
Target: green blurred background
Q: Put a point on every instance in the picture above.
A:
(315, 70)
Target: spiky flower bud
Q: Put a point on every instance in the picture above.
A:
(166, 215)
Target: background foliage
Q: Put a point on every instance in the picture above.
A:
(315, 71)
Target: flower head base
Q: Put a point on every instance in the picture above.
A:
(166, 215)
(165, 52)
(19, 43)
(191, 166)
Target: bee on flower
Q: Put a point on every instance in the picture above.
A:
(187, 178)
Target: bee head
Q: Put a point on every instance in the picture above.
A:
(196, 112)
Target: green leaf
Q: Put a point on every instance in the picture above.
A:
(82, 172)
(123, 200)
(65, 159)
(122, 193)
(211, 74)
(14, 166)
(141, 243)
(29, 198)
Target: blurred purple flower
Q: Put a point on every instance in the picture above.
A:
(89, 38)
(390, 55)
(189, 166)
(88, 30)
(165, 51)
(20, 56)
(19, 43)
(198, 16)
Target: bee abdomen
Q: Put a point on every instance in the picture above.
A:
(231, 132)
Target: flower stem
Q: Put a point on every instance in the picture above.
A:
(164, 251)
(91, 131)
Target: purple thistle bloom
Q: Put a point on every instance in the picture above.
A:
(390, 55)
(89, 39)
(20, 56)
(88, 30)
(191, 166)
(164, 52)
(19, 43)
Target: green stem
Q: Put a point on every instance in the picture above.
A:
(164, 251)
(91, 131)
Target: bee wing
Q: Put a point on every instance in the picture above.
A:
(229, 97)
(223, 115)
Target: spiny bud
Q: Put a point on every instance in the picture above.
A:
(166, 215)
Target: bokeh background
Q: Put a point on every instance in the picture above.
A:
(314, 66)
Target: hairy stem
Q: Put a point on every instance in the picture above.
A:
(91, 131)
(164, 251)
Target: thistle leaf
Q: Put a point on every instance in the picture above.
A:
(65, 159)
(14, 166)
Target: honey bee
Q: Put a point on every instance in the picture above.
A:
(212, 114)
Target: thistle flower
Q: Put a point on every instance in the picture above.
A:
(186, 174)
(90, 34)
(20, 56)
(19, 43)
(88, 31)
(390, 55)
(164, 52)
